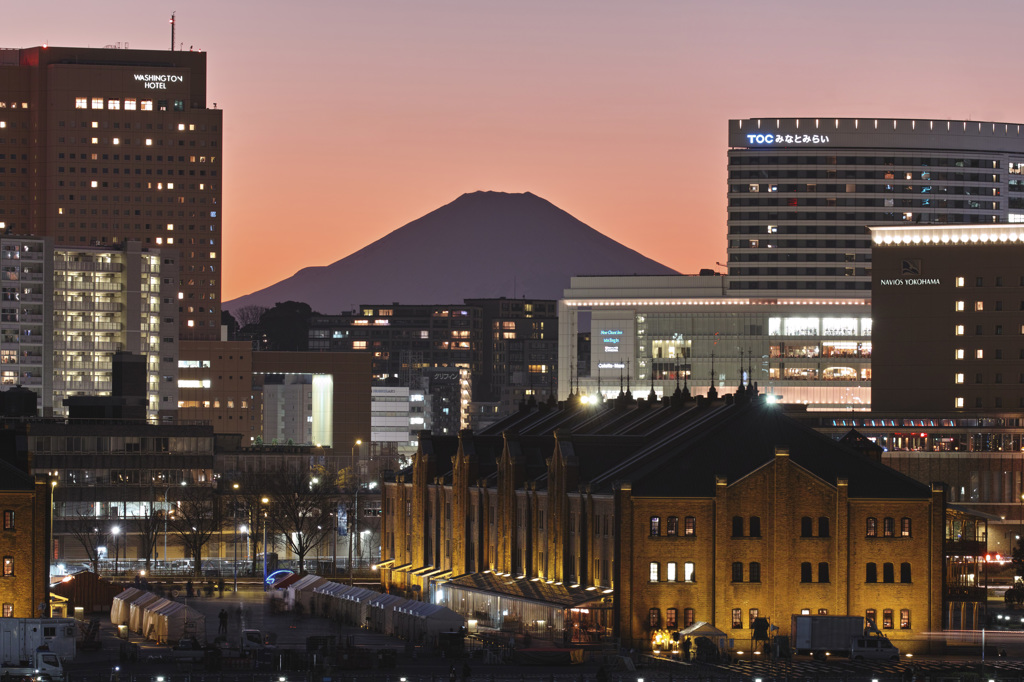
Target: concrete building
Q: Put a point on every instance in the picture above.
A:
(106, 146)
(654, 333)
(582, 523)
(803, 191)
(67, 310)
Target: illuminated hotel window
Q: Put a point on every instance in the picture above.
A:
(113, 104)
(359, 345)
(95, 140)
(979, 306)
(959, 353)
(959, 306)
(979, 354)
(147, 105)
(81, 103)
(958, 402)
(959, 281)
(130, 104)
(959, 330)
(97, 102)
(149, 142)
(959, 378)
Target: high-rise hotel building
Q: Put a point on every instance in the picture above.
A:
(103, 146)
(802, 193)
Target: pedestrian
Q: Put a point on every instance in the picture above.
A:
(223, 616)
(451, 674)
(220, 588)
(189, 589)
(686, 649)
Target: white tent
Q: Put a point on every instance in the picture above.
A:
(327, 599)
(705, 629)
(355, 605)
(418, 621)
(381, 612)
(168, 621)
(136, 610)
(301, 592)
(119, 608)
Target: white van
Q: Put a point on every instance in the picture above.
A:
(873, 648)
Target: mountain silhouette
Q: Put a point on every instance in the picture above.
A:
(482, 245)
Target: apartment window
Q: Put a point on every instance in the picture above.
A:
(8, 566)
(905, 526)
(655, 571)
(959, 354)
(755, 572)
(654, 618)
(872, 527)
(8, 519)
(979, 306)
(904, 619)
(688, 617)
(81, 103)
(670, 572)
(737, 526)
(888, 575)
(672, 526)
(755, 526)
(959, 282)
(905, 572)
(805, 572)
(752, 615)
(823, 527)
(655, 526)
(737, 571)
(959, 330)
(888, 527)
(958, 378)
(870, 617)
(690, 526)
(806, 527)
(671, 621)
(958, 402)
(689, 575)
(979, 354)
(737, 619)
(959, 306)
(887, 619)
(871, 574)
(823, 576)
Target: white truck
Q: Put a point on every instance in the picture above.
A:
(822, 636)
(39, 664)
(21, 639)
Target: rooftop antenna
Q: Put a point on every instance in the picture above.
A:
(172, 30)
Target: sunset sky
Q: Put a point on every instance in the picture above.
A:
(346, 119)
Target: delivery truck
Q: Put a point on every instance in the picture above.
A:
(821, 636)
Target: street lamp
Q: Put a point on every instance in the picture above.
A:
(352, 460)
(234, 519)
(49, 550)
(116, 530)
(265, 500)
(167, 512)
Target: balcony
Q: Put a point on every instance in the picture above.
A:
(86, 345)
(87, 326)
(61, 288)
(85, 266)
(88, 306)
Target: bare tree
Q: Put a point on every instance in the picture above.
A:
(249, 315)
(302, 507)
(149, 526)
(86, 529)
(195, 519)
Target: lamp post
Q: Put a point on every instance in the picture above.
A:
(234, 520)
(265, 500)
(49, 550)
(116, 530)
(167, 513)
(353, 528)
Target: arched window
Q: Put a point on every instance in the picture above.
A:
(905, 527)
(755, 572)
(904, 619)
(690, 526)
(871, 617)
(737, 571)
(806, 527)
(805, 572)
(655, 526)
(688, 617)
(871, 575)
(670, 619)
(673, 526)
(887, 573)
(887, 619)
(655, 573)
(654, 618)
(905, 572)
(823, 527)
(823, 572)
(755, 526)
(888, 527)
(737, 526)
(872, 528)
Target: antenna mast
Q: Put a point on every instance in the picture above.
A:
(172, 30)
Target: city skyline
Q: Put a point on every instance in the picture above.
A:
(345, 121)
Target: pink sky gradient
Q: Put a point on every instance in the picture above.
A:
(345, 120)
